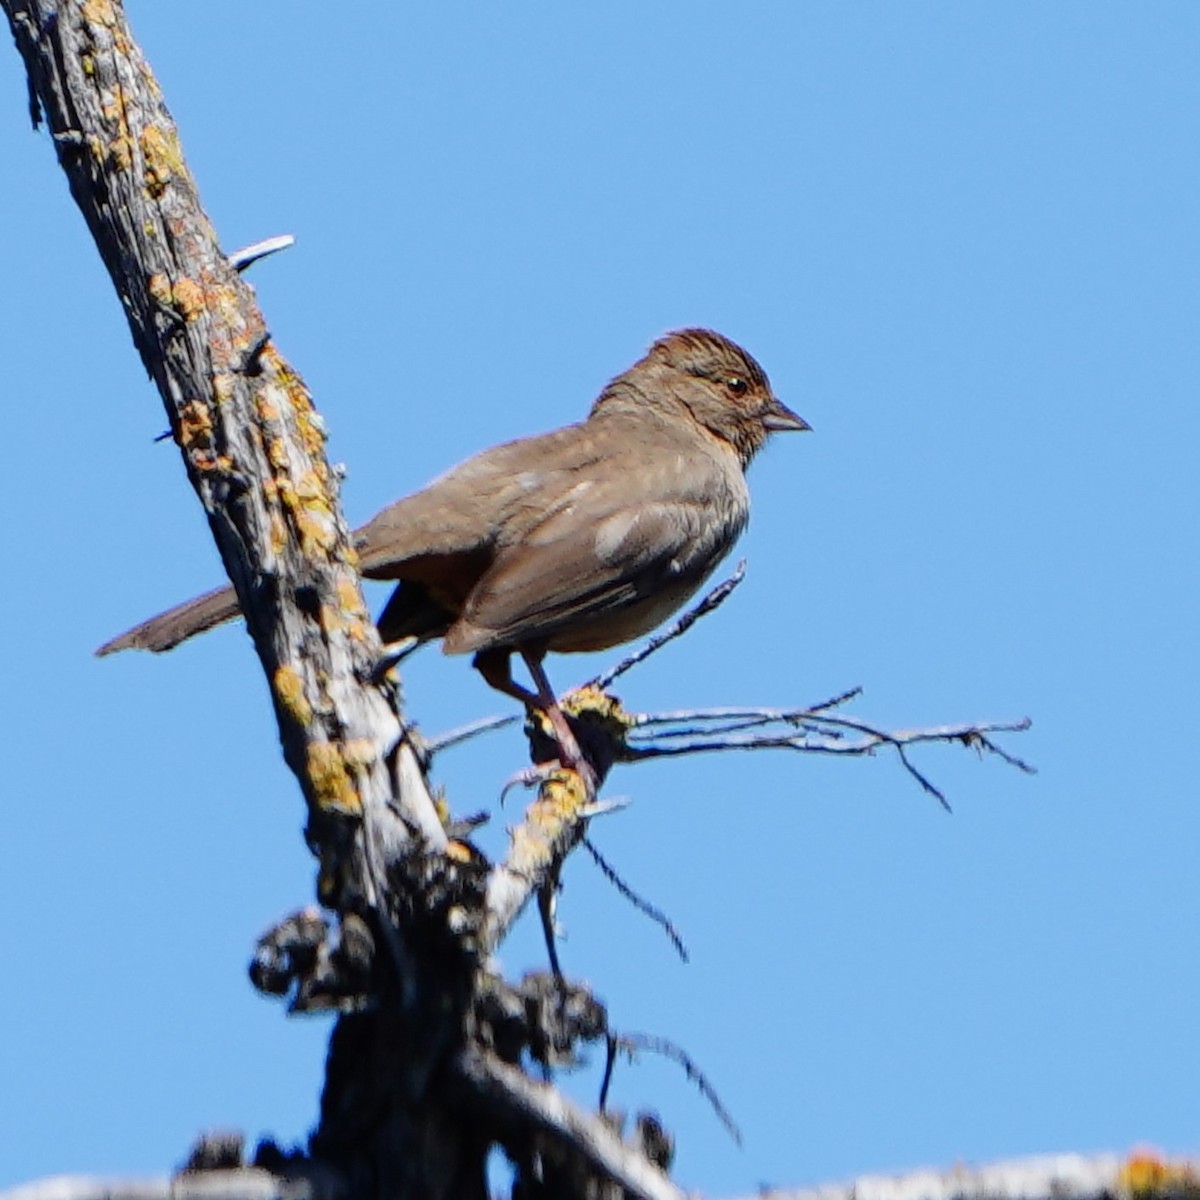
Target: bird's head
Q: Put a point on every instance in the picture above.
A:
(714, 381)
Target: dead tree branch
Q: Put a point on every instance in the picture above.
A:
(545, 1123)
(247, 431)
(1045, 1177)
(1144, 1175)
(813, 730)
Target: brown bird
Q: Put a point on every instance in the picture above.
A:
(574, 540)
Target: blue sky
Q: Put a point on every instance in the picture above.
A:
(963, 241)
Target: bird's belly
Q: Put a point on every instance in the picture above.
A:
(605, 630)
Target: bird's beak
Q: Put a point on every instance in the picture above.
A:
(779, 418)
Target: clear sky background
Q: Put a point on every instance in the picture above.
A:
(964, 240)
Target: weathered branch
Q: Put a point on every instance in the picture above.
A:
(1144, 1175)
(250, 439)
(521, 1105)
(241, 1183)
(1046, 1177)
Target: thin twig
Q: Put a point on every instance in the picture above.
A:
(643, 905)
(610, 1061)
(814, 730)
(461, 733)
(713, 600)
(241, 259)
(923, 780)
(632, 1042)
(851, 693)
(732, 712)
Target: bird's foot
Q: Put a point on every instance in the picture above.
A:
(569, 754)
(544, 772)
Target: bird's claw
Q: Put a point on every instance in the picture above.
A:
(539, 773)
(530, 777)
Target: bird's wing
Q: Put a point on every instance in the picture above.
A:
(461, 512)
(597, 571)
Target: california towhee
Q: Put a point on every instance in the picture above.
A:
(578, 539)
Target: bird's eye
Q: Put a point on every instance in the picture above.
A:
(737, 385)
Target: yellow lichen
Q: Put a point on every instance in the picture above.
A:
(297, 393)
(289, 688)
(592, 702)
(311, 491)
(333, 789)
(560, 798)
(159, 287)
(279, 535)
(163, 157)
(312, 433)
(316, 536)
(120, 152)
(359, 752)
(349, 596)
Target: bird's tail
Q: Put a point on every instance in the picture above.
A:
(177, 624)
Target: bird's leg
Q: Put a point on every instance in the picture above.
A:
(496, 668)
(548, 703)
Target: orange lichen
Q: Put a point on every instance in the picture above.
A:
(99, 12)
(277, 456)
(189, 298)
(195, 425)
(224, 386)
(264, 402)
(226, 302)
(1148, 1173)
